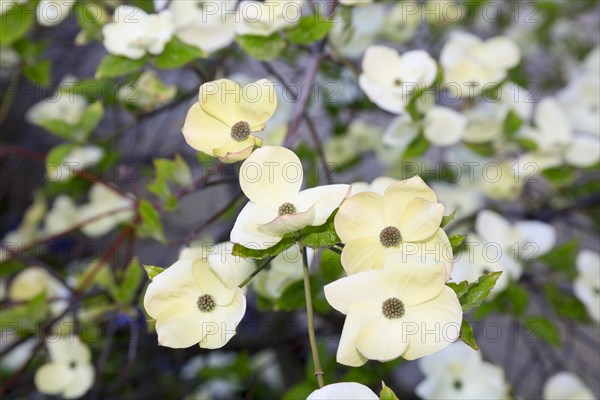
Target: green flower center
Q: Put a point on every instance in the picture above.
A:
(206, 303)
(72, 364)
(240, 131)
(457, 384)
(287, 208)
(390, 236)
(392, 308)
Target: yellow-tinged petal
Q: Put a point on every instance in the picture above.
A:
(411, 279)
(360, 216)
(223, 323)
(381, 339)
(220, 98)
(437, 324)
(437, 249)
(325, 200)
(397, 196)
(271, 176)
(420, 219)
(366, 286)
(363, 254)
(233, 151)
(53, 378)
(358, 315)
(83, 379)
(209, 283)
(181, 325)
(175, 284)
(245, 230)
(258, 103)
(204, 132)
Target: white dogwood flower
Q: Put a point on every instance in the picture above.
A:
(262, 18)
(389, 309)
(566, 386)
(443, 126)
(353, 38)
(62, 216)
(63, 106)
(52, 12)
(406, 218)
(134, 33)
(459, 372)
(103, 200)
(69, 372)
(343, 391)
(462, 197)
(271, 178)
(587, 282)
(78, 159)
(378, 185)
(470, 64)
(221, 123)
(191, 304)
(205, 24)
(390, 79)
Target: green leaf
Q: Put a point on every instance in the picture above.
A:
(319, 236)
(478, 291)
(173, 170)
(55, 157)
(527, 144)
(151, 225)
(416, 148)
(447, 219)
(310, 29)
(91, 117)
(456, 241)
(387, 394)
(562, 259)
(59, 128)
(130, 282)
(16, 21)
(543, 329)
(28, 50)
(467, 336)
(517, 297)
(114, 66)
(560, 176)
(565, 305)
(459, 288)
(483, 149)
(176, 54)
(90, 19)
(39, 72)
(152, 271)
(240, 251)
(512, 123)
(263, 48)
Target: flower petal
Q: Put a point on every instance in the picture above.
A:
(287, 223)
(83, 379)
(223, 323)
(325, 200)
(344, 293)
(493, 228)
(209, 283)
(257, 104)
(181, 325)
(233, 151)
(175, 284)
(363, 254)
(536, 238)
(271, 176)
(219, 98)
(436, 248)
(343, 391)
(437, 324)
(412, 279)
(204, 132)
(397, 196)
(232, 270)
(360, 216)
(245, 230)
(53, 378)
(381, 339)
(359, 315)
(420, 219)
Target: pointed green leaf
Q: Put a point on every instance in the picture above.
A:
(38, 72)
(543, 329)
(91, 117)
(114, 66)
(447, 219)
(467, 336)
(151, 225)
(263, 48)
(176, 54)
(309, 29)
(152, 271)
(478, 291)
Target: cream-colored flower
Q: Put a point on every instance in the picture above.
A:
(221, 123)
(503, 180)
(462, 197)
(365, 136)
(587, 282)
(471, 64)
(148, 91)
(264, 18)
(69, 372)
(63, 106)
(458, 372)
(390, 79)
(351, 40)
(402, 22)
(103, 200)
(285, 269)
(191, 304)
(343, 391)
(271, 178)
(51, 12)
(401, 132)
(393, 312)
(62, 216)
(28, 231)
(133, 33)
(443, 126)
(406, 218)
(379, 186)
(566, 386)
(77, 159)
(34, 281)
(340, 151)
(205, 24)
